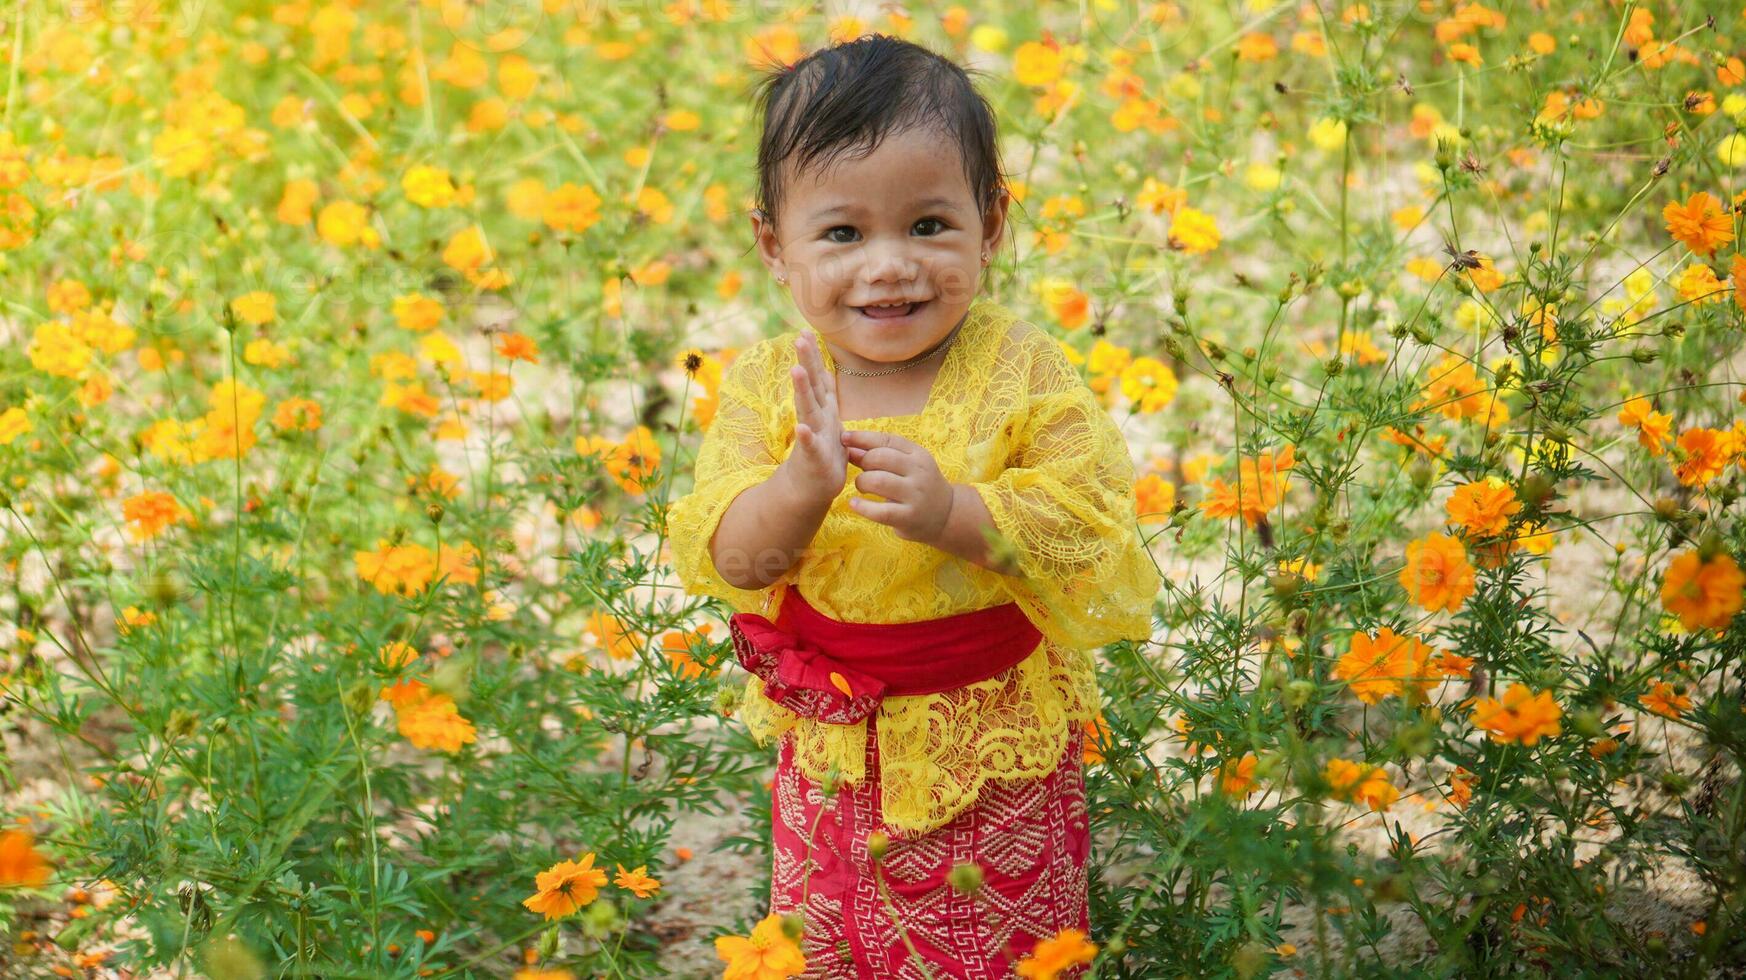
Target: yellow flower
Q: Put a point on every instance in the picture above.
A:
(417, 312)
(428, 187)
(1149, 384)
(345, 223)
(1327, 134)
(1193, 231)
(1036, 64)
(55, 349)
(255, 309)
(14, 422)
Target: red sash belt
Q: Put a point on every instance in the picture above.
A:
(838, 672)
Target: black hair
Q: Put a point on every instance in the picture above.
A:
(845, 99)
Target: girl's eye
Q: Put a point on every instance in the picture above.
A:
(832, 231)
(932, 221)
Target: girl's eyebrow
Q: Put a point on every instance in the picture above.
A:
(932, 203)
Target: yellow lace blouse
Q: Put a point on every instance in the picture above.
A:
(1009, 415)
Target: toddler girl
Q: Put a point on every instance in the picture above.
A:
(921, 648)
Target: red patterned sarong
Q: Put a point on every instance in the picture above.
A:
(1030, 837)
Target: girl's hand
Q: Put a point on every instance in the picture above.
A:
(819, 465)
(918, 498)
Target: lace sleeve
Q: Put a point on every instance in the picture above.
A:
(739, 451)
(1065, 505)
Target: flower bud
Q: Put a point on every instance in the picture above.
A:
(876, 844)
(965, 878)
(1423, 472)
(1536, 488)
(1299, 692)
(1667, 509)
(727, 700)
(1285, 586)
(793, 927)
(435, 513)
(359, 697)
(549, 943)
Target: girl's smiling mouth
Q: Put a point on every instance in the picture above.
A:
(891, 313)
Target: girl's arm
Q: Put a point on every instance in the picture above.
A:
(767, 527)
(965, 528)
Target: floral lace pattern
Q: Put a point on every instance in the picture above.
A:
(1009, 416)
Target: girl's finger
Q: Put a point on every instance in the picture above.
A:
(885, 458)
(802, 393)
(887, 485)
(815, 366)
(884, 512)
(869, 439)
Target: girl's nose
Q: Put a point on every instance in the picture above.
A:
(887, 262)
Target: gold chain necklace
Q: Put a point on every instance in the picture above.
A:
(945, 342)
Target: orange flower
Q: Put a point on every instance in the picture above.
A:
(1261, 485)
(1383, 665)
(1361, 782)
(767, 954)
(1522, 716)
(565, 887)
(1702, 593)
(1453, 387)
(433, 722)
(1664, 700)
(396, 569)
(1155, 497)
(1097, 735)
(1067, 948)
(1705, 453)
(1653, 428)
(1461, 786)
(149, 513)
(518, 347)
(680, 649)
(633, 461)
(636, 882)
(20, 864)
(1437, 574)
(1238, 779)
(1483, 507)
(609, 631)
(1699, 223)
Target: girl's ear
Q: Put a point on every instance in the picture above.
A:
(769, 246)
(994, 221)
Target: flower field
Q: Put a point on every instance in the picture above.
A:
(355, 351)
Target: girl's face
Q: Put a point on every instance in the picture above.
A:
(898, 226)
